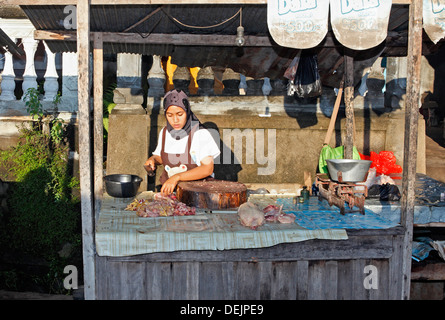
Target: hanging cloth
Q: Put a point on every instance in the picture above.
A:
(361, 24)
(297, 24)
(434, 19)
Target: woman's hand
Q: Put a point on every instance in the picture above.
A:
(169, 186)
(200, 172)
(153, 161)
(150, 163)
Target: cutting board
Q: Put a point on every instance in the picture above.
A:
(212, 194)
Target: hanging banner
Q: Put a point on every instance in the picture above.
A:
(434, 19)
(360, 24)
(299, 24)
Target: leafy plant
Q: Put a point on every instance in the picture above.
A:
(33, 104)
(43, 213)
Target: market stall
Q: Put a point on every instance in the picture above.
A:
(199, 256)
(210, 255)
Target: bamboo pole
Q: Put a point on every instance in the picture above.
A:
(86, 195)
(410, 144)
(349, 104)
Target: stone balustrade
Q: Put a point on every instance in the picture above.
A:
(18, 74)
(210, 81)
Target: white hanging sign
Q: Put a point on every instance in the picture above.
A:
(434, 19)
(299, 24)
(360, 24)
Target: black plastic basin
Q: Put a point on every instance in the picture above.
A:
(122, 185)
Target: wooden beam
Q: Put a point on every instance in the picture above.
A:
(85, 168)
(148, 2)
(349, 103)
(410, 144)
(397, 39)
(98, 70)
(161, 38)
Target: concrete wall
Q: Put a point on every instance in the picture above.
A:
(297, 130)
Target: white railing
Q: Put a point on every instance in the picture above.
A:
(234, 83)
(22, 31)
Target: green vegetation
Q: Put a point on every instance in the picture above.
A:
(43, 215)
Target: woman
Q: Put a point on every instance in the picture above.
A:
(185, 148)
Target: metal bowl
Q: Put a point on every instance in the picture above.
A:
(348, 170)
(122, 185)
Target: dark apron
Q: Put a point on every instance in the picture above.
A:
(177, 159)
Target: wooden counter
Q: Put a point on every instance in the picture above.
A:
(313, 269)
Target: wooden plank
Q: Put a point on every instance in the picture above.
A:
(283, 283)
(98, 122)
(228, 279)
(395, 269)
(85, 163)
(331, 279)
(349, 104)
(320, 279)
(358, 291)
(185, 281)
(133, 288)
(344, 280)
(246, 285)
(315, 280)
(166, 287)
(302, 279)
(265, 280)
(102, 277)
(394, 39)
(149, 2)
(165, 38)
(410, 143)
(211, 281)
(113, 282)
(153, 275)
(382, 291)
(372, 247)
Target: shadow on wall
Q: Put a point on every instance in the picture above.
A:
(437, 62)
(224, 171)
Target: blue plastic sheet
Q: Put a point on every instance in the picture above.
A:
(315, 214)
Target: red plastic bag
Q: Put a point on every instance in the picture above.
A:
(384, 162)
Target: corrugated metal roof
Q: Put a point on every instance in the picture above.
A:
(255, 62)
(120, 18)
(189, 18)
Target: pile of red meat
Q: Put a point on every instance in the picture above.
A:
(161, 206)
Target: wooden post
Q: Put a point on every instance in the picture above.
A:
(410, 144)
(98, 121)
(349, 104)
(85, 168)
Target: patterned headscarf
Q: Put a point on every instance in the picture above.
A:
(178, 98)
